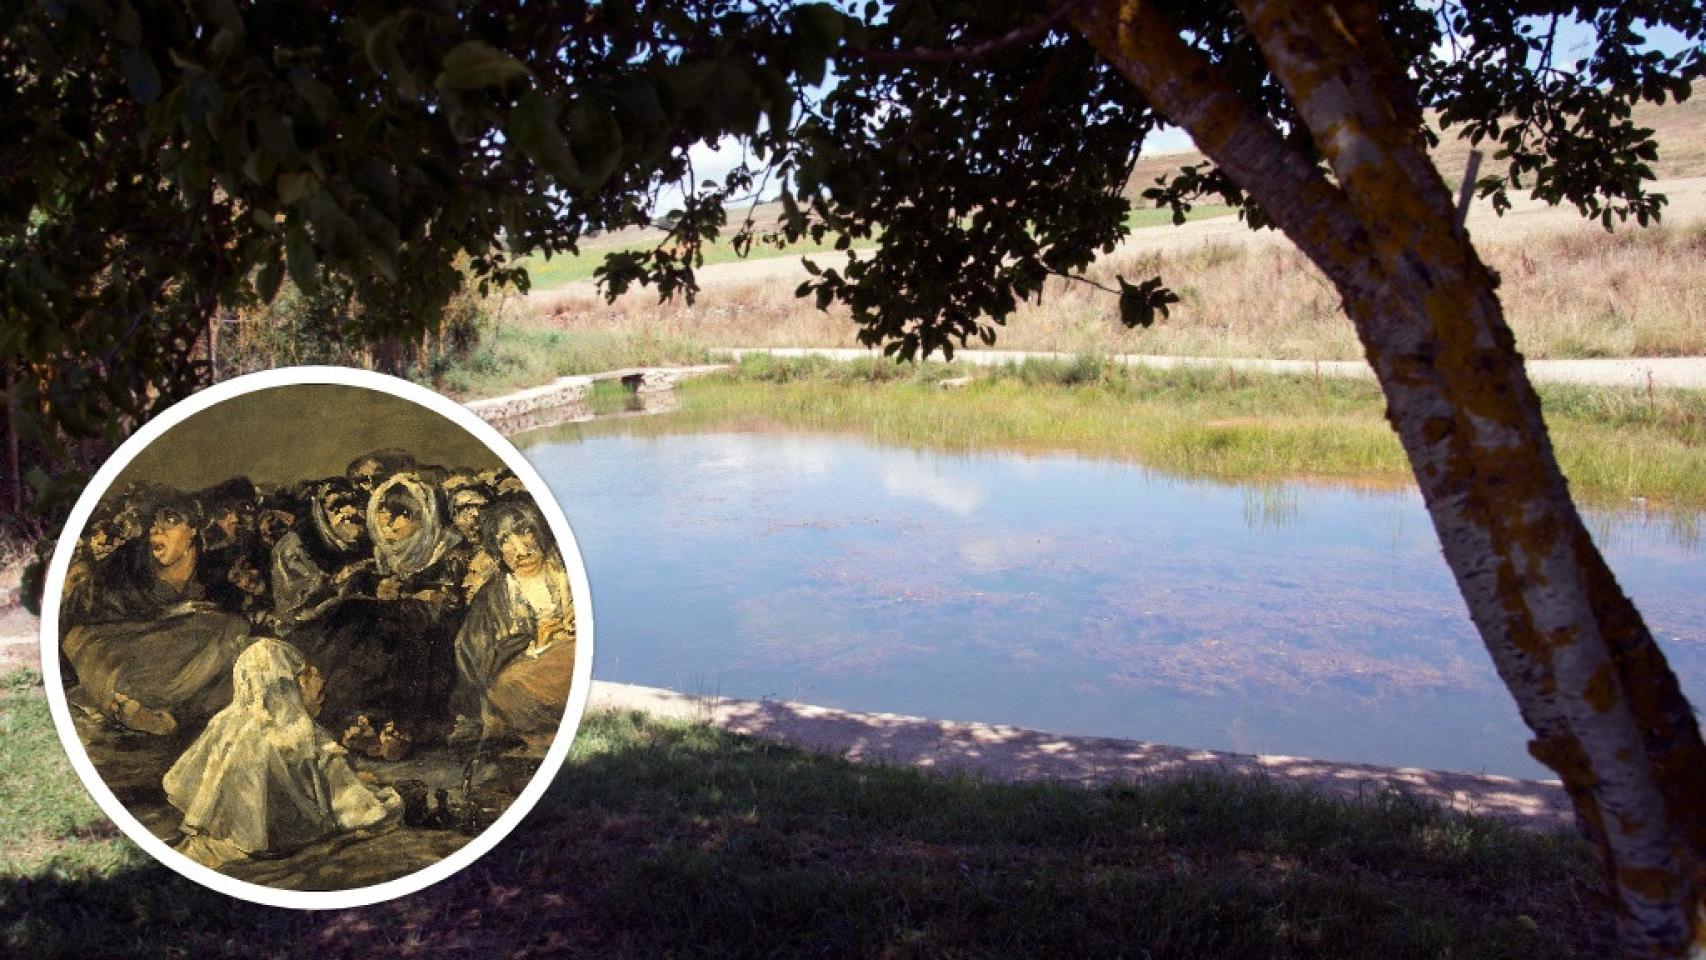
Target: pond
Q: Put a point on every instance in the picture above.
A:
(1063, 594)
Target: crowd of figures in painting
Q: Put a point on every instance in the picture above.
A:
(405, 605)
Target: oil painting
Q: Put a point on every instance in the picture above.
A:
(318, 636)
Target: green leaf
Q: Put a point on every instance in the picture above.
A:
(299, 253)
(596, 139)
(638, 106)
(274, 132)
(380, 45)
(313, 92)
(268, 278)
(820, 26)
(1139, 304)
(475, 65)
(126, 24)
(779, 100)
(292, 187)
(533, 128)
(141, 74)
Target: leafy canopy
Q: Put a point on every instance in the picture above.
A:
(169, 160)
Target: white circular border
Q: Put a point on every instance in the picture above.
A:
(457, 414)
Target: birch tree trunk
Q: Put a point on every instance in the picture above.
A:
(1606, 711)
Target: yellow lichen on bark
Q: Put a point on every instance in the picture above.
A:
(1601, 693)
(1650, 883)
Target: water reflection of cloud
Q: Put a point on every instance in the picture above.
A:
(994, 553)
(744, 454)
(912, 479)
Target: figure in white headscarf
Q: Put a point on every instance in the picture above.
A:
(414, 548)
(391, 654)
(265, 780)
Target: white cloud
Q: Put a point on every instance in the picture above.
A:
(913, 480)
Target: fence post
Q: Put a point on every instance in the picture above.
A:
(1466, 191)
(14, 477)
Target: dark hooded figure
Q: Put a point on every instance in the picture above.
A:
(238, 583)
(229, 540)
(325, 556)
(149, 649)
(228, 511)
(369, 470)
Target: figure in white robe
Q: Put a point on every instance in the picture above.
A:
(264, 780)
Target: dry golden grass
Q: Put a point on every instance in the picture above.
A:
(1581, 293)
(1570, 289)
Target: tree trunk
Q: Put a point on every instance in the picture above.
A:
(1605, 708)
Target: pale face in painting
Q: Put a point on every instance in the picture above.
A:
(169, 538)
(345, 521)
(521, 552)
(396, 524)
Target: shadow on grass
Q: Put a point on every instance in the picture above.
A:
(663, 837)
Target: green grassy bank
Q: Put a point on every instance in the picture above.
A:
(1614, 444)
(515, 358)
(668, 839)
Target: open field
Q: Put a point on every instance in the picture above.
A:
(668, 838)
(1569, 289)
(1572, 293)
(553, 273)
(1681, 129)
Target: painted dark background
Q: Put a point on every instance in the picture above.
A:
(299, 432)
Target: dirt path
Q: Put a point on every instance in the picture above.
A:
(1665, 372)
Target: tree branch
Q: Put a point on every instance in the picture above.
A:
(977, 51)
(1182, 85)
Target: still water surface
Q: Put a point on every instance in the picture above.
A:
(1064, 594)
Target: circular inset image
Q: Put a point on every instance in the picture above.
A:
(317, 637)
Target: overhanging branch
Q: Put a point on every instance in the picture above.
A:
(977, 51)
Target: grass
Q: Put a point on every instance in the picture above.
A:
(670, 839)
(548, 274)
(514, 358)
(1577, 293)
(1613, 444)
(49, 825)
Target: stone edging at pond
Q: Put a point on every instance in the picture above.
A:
(999, 752)
(567, 396)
